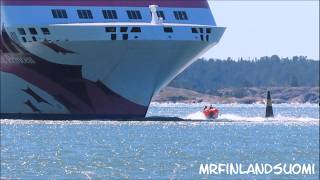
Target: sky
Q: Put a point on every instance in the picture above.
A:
(264, 28)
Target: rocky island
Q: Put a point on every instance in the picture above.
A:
(241, 95)
(290, 80)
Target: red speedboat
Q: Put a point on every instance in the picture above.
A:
(211, 113)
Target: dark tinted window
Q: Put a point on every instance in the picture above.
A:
(114, 14)
(90, 15)
(113, 37)
(24, 39)
(84, 14)
(194, 30)
(180, 15)
(33, 31)
(34, 38)
(201, 30)
(64, 14)
(208, 30)
(134, 14)
(59, 13)
(80, 14)
(139, 14)
(45, 30)
(54, 13)
(111, 29)
(129, 14)
(123, 29)
(109, 14)
(161, 15)
(21, 31)
(184, 15)
(168, 29)
(201, 36)
(125, 36)
(136, 29)
(176, 15)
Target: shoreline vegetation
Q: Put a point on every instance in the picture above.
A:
(246, 81)
(252, 95)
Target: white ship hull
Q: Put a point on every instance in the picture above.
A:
(80, 71)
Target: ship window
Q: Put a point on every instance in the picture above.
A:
(136, 29)
(161, 15)
(208, 30)
(21, 31)
(201, 36)
(54, 13)
(123, 29)
(194, 30)
(113, 36)
(59, 13)
(176, 15)
(64, 14)
(33, 31)
(125, 36)
(84, 14)
(110, 14)
(168, 29)
(184, 15)
(180, 15)
(24, 39)
(201, 30)
(207, 37)
(45, 31)
(111, 29)
(80, 14)
(90, 14)
(134, 14)
(34, 38)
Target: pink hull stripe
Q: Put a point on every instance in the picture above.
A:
(134, 3)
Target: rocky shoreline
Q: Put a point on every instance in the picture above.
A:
(248, 95)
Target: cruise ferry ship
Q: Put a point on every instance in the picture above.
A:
(96, 59)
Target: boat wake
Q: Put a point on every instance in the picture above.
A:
(196, 117)
(239, 118)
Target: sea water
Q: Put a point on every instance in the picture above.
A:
(163, 150)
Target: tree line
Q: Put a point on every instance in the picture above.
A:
(207, 76)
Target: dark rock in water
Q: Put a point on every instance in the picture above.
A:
(177, 98)
(247, 100)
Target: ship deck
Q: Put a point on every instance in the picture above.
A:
(132, 24)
